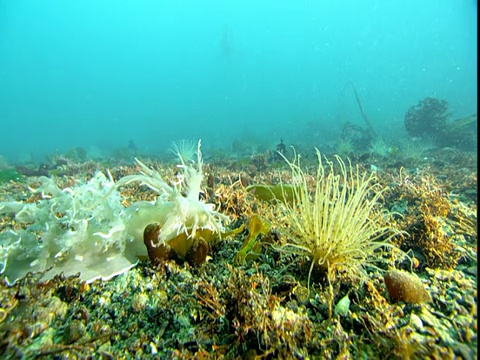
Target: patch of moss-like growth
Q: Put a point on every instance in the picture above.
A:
(11, 174)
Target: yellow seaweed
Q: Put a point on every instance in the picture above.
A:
(251, 248)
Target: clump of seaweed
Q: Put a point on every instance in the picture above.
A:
(337, 225)
(261, 323)
(431, 220)
(428, 118)
(251, 248)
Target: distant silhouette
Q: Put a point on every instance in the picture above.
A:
(131, 145)
(362, 112)
(226, 43)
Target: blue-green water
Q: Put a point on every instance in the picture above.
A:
(96, 74)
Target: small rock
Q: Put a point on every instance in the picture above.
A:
(74, 331)
(416, 322)
(471, 270)
(50, 309)
(406, 287)
(463, 351)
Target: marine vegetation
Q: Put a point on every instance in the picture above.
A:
(370, 126)
(262, 308)
(430, 119)
(10, 174)
(438, 228)
(251, 248)
(337, 225)
(427, 119)
(85, 228)
(380, 148)
(280, 192)
(354, 138)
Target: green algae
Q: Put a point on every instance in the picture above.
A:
(251, 248)
(10, 174)
(281, 192)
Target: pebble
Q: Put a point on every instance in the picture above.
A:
(74, 331)
(416, 322)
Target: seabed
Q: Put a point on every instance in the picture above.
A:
(264, 307)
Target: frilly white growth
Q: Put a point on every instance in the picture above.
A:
(178, 207)
(86, 229)
(68, 231)
(185, 150)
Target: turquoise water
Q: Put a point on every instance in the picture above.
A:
(98, 74)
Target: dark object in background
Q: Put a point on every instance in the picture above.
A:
(427, 119)
(132, 146)
(43, 168)
(462, 133)
(357, 136)
(280, 149)
(362, 112)
(41, 171)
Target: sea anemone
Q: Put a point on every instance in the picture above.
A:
(337, 225)
(185, 150)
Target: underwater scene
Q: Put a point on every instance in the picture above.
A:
(238, 179)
